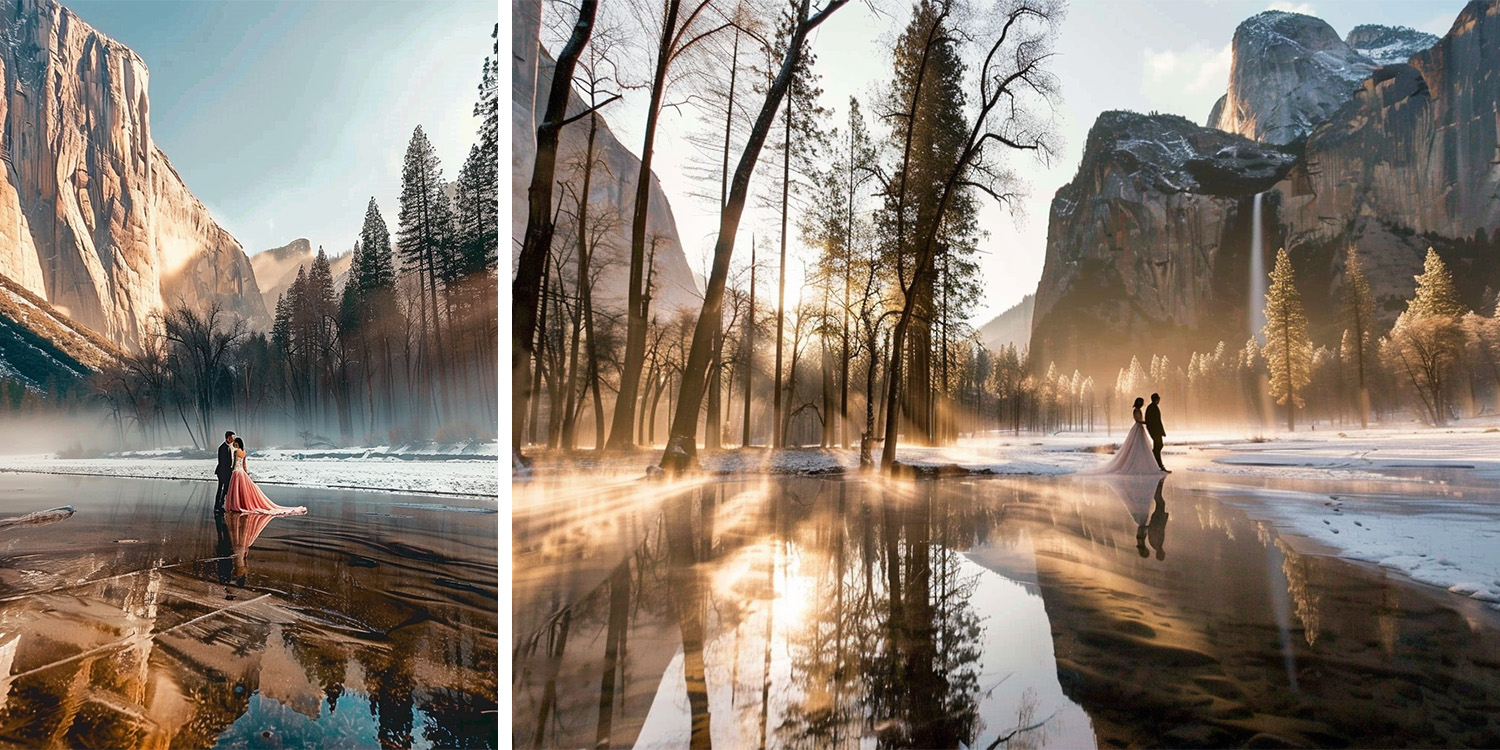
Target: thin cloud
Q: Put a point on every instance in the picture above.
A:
(1186, 82)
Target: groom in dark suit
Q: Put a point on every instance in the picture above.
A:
(1155, 430)
(224, 470)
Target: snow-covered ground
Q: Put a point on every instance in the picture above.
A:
(472, 469)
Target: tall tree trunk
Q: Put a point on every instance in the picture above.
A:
(749, 348)
(713, 411)
(867, 440)
(778, 430)
(525, 290)
(593, 355)
(714, 428)
(635, 334)
(830, 420)
(541, 352)
(570, 436)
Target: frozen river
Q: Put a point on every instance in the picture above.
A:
(987, 612)
(142, 620)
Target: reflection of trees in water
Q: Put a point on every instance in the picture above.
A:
(1304, 600)
(890, 642)
(852, 590)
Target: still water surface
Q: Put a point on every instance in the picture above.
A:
(1069, 612)
(141, 620)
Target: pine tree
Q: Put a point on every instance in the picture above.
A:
(929, 129)
(476, 218)
(376, 267)
(1428, 338)
(1288, 350)
(1359, 319)
(422, 236)
(370, 315)
(488, 110)
(1435, 293)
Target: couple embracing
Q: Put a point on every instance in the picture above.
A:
(237, 494)
(1136, 456)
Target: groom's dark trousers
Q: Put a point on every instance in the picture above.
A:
(1157, 432)
(223, 472)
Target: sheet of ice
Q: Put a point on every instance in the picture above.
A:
(1448, 542)
(1385, 454)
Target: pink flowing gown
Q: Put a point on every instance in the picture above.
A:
(244, 497)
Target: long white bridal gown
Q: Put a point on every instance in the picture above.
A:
(1134, 457)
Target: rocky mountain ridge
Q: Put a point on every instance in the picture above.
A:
(1009, 328)
(276, 268)
(1387, 45)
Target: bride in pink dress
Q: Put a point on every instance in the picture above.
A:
(244, 497)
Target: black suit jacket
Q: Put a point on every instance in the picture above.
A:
(226, 461)
(1153, 422)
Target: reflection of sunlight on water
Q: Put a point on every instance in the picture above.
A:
(1018, 670)
(794, 592)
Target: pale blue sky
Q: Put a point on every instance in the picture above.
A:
(284, 118)
(1164, 55)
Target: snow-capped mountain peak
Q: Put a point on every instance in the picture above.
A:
(1387, 45)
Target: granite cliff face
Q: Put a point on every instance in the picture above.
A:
(612, 189)
(93, 218)
(1142, 244)
(1148, 248)
(1290, 72)
(1411, 162)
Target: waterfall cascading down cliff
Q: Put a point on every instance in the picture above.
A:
(1257, 303)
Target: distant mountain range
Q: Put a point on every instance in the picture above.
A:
(276, 269)
(1010, 328)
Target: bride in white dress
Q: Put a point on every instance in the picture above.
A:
(1134, 456)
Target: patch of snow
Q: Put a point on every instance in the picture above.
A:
(1452, 544)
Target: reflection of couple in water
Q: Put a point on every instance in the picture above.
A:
(1155, 529)
(236, 533)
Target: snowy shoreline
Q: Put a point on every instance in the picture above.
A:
(433, 470)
